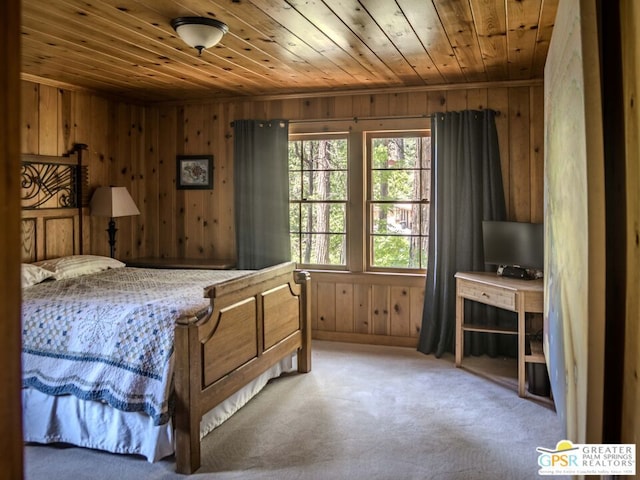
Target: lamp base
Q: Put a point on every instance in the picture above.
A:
(112, 237)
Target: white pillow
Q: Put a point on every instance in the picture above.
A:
(76, 265)
(33, 274)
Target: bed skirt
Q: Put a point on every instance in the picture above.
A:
(90, 424)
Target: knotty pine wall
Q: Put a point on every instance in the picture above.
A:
(135, 145)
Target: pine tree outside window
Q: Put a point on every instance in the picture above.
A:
(399, 182)
(359, 200)
(318, 198)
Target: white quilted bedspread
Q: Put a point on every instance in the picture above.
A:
(110, 336)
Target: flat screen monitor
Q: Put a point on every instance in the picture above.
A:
(514, 244)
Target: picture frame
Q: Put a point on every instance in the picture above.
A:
(194, 172)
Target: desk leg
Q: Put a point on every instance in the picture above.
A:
(459, 332)
(522, 335)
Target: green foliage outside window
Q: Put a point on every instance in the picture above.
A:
(318, 196)
(398, 185)
(399, 182)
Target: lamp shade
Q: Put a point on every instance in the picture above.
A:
(199, 32)
(113, 202)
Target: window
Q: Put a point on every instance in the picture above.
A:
(318, 199)
(399, 181)
(359, 200)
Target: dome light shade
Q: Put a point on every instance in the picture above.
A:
(199, 32)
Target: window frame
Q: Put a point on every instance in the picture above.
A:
(369, 136)
(357, 233)
(322, 136)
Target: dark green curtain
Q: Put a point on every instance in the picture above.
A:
(466, 188)
(261, 190)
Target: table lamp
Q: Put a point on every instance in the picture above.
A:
(113, 202)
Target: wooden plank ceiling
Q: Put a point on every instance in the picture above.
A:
(128, 48)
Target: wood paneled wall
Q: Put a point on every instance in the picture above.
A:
(387, 309)
(520, 127)
(53, 119)
(136, 146)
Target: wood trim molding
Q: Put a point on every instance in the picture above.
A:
(301, 95)
(53, 83)
(367, 339)
(366, 91)
(27, 77)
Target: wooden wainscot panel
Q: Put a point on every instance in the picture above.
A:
(234, 340)
(380, 308)
(362, 308)
(417, 304)
(344, 305)
(280, 309)
(400, 312)
(368, 308)
(313, 291)
(326, 306)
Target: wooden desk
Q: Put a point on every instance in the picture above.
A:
(180, 263)
(512, 294)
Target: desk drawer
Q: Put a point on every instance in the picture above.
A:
(487, 294)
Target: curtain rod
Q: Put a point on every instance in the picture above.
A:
(357, 119)
(354, 119)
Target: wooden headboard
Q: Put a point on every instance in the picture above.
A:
(54, 205)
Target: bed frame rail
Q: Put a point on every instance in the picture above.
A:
(254, 322)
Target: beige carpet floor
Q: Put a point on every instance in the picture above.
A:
(364, 412)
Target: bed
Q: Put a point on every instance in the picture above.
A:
(228, 333)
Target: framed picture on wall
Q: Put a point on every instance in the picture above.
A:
(194, 172)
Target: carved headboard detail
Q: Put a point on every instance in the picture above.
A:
(54, 205)
(52, 185)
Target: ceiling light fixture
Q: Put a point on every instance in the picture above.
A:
(199, 32)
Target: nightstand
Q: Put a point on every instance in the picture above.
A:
(182, 263)
(520, 296)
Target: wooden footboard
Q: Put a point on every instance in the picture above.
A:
(253, 323)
